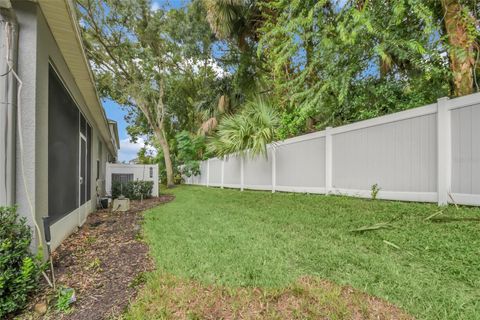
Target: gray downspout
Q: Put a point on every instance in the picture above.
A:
(8, 102)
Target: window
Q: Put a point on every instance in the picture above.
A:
(98, 169)
(63, 149)
(122, 177)
(151, 172)
(89, 162)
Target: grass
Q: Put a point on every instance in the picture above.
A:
(230, 239)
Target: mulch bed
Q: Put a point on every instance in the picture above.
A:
(104, 262)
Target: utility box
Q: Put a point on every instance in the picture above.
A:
(121, 205)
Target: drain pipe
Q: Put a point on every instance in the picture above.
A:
(8, 101)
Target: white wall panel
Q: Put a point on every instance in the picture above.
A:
(466, 150)
(301, 164)
(232, 171)
(398, 156)
(258, 172)
(215, 172)
(204, 172)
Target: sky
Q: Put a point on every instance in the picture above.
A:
(128, 150)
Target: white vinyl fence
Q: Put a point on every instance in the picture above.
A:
(429, 154)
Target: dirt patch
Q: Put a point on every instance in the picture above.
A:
(308, 298)
(104, 262)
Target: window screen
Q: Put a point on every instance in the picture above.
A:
(83, 171)
(63, 139)
(98, 169)
(122, 177)
(89, 162)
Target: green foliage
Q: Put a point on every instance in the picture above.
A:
(65, 297)
(374, 191)
(259, 239)
(323, 63)
(190, 149)
(134, 190)
(18, 269)
(252, 129)
(333, 64)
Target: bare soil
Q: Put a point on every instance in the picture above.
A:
(104, 262)
(308, 298)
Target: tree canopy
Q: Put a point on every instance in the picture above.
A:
(223, 76)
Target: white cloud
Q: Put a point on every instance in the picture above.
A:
(196, 65)
(128, 150)
(155, 6)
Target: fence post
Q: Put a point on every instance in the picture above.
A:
(208, 172)
(223, 171)
(274, 168)
(241, 172)
(444, 151)
(328, 161)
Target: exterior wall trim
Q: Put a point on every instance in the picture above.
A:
(389, 195)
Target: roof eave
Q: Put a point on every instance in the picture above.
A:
(73, 52)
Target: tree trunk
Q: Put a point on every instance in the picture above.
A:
(461, 53)
(166, 156)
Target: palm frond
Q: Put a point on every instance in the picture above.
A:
(252, 129)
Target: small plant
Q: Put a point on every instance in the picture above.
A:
(374, 191)
(95, 264)
(91, 240)
(19, 270)
(139, 236)
(65, 298)
(140, 279)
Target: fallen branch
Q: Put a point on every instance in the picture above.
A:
(456, 205)
(433, 215)
(376, 226)
(391, 244)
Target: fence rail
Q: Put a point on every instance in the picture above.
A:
(427, 154)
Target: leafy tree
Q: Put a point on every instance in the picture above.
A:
(332, 62)
(244, 72)
(190, 148)
(131, 57)
(153, 62)
(236, 20)
(462, 30)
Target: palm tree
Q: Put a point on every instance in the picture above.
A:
(461, 28)
(252, 129)
(235, 20)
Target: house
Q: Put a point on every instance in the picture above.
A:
(56, 139)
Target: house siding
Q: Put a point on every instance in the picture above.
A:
(37, 50)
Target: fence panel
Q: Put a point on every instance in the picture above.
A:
(215, 172)
(232, 172)
(466, 152)
(203, 173)
(258, 172)
(398, 156)
(300, 166)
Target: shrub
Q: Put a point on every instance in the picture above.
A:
(18, 270)
(374, 191)
(132, 189)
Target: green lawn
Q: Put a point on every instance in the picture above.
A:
(234, 239)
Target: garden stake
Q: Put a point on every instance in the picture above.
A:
(48, 238)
